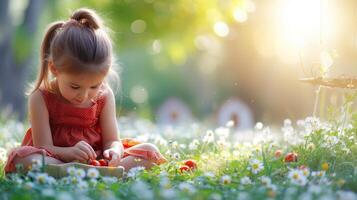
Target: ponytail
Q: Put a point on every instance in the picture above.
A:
(44, 57)
(88, 18)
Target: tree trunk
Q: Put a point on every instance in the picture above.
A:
(14, 71)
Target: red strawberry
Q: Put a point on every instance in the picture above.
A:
(94, 162)
(291, 157)
(103, 162)
(191, 164)
(184, 168)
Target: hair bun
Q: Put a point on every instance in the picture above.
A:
(87, 17)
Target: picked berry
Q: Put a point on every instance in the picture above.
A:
(103, 162)
(94, 162)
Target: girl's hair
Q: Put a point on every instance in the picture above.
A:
(79, 45)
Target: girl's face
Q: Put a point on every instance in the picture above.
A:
(79, 89)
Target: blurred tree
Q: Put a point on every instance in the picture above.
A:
(16, 54)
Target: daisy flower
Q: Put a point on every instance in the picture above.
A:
(93, 173)
(226, 179)
(256, 166)
(245, 180)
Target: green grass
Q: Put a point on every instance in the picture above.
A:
(223, 166)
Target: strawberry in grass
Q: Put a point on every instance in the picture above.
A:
(184, 168)
(191, 164)
(291, 157)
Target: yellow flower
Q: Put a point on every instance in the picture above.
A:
(324, 166)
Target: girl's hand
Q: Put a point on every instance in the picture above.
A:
(82, 152)
(113, 155)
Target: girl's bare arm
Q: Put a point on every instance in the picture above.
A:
(109, 126)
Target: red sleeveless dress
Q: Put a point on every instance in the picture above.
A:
(70, 125)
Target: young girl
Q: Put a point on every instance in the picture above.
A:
(72, 114)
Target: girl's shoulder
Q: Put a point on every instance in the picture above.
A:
(36, 100)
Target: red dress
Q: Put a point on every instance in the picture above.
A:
(70, 125)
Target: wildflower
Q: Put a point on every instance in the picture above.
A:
(325, 166)
(187, 187)
(314, 189)
(306, 172)
(258, 126)
(176, 156)
(209, 137)
(256, 166)
(142, 190)
(165, 182)
(297, 177)
(174, 145)
(193, 145)
(29, 185)
(3, 154)
(209, 174)
(226, 179)
(71, 171)
(36, 165)
(222, 132)
(135, 171)
(92, 182)
(92, 173)
(41, 178)
(168, 193)
(245, 180)
(82, 185)
(80, 173)
(265, 180)
(318, 173)
(109, 180)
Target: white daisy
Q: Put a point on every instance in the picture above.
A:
(41, 178)
(265, 180)
(245, 180)
(92, 173)
(226, 179)
(71, 171)
(135, 171)
(80, 173)
(187, 187)
(255, 166)
(297, 177)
